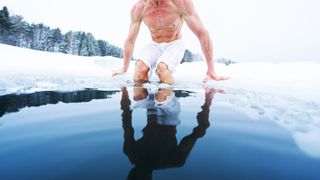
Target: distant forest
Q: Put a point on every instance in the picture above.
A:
(17, 32)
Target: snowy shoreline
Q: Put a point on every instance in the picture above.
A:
(25, 71)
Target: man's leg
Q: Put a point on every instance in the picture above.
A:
(141, 72)
(169, 60)
(165, 75)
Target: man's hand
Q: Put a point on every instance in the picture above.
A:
(118, 72)
(213, 76)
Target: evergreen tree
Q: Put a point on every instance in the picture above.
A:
(102, 45)
(190, 57)
(28, 35)
(66, 43)
(54, 39)
(57, 39)
(92, 46)
(4, 18)
(4, 25)
(18, 36)
(82, 47)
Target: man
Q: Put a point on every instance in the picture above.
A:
(165, 18)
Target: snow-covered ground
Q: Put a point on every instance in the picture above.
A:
(287, 93)
(25, 70)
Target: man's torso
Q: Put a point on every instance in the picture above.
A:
(163, 19)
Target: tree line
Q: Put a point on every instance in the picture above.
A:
(17, 32)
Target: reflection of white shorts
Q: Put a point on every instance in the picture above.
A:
(170, 53)
(167, 112)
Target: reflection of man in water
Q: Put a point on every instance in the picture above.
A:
(158, 147)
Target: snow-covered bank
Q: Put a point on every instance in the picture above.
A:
(300, 80)
(25, 70)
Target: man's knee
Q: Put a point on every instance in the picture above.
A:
(164, 73)
(141, 72)
(162, 68)
(141, 67)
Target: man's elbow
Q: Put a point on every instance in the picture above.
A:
(129, 41)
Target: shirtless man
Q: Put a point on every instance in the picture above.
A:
(165, 18)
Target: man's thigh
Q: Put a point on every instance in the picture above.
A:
(149, 55)
(172, 55)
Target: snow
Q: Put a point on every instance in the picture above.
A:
(286, 93)
(25, 71)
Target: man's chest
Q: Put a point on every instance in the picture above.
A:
(161, 16)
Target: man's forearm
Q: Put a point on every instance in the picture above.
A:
(207, 49)
(128, 51)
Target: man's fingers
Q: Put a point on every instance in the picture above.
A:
(218, 78)
(116, 72)
(224, 78)
(221, 78)
(205, 80)
(113, 72)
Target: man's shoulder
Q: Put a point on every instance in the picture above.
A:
(183, 5)
(140, 4)
(137, 9)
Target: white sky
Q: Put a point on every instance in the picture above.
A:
(246, 30)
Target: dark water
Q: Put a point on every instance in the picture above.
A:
(137, 133)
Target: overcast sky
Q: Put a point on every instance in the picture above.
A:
(242, 30)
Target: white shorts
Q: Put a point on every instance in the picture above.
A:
(169, 53)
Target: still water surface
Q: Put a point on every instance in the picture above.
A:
(137, 133)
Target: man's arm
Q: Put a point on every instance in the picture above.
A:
(131, 39)
(194, 23)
